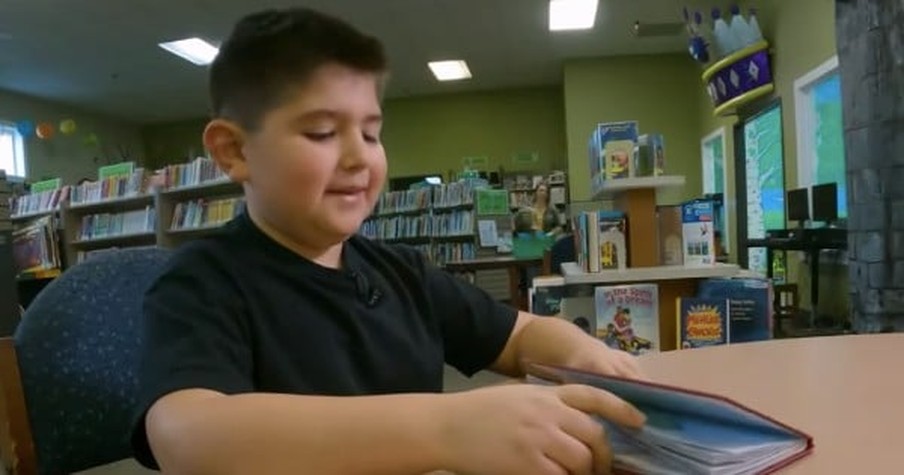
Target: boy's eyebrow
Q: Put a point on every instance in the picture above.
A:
(333, 115)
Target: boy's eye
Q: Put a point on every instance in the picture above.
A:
(319, 136)
(370, 138)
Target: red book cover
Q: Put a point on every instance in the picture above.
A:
(689, 431)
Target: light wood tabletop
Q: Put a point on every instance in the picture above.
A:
(845, 391)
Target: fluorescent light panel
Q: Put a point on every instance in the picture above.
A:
(195, 50)
(572, 14)
(450, 70)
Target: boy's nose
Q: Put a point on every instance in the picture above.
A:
(354, 152)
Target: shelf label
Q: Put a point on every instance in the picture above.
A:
(475, 162)
(46, 185)
(115, 170)
(526, 157)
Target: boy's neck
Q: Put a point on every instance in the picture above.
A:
(329, 256)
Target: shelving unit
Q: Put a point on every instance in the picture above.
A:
(167, 201)
(438, 220)
(574, 275)
(77, 220)
(609, 189)
(636, 197)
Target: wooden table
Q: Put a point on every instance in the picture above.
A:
(845, 391)
(511, 264)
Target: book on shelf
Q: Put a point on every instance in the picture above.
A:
(627, 317)
(611, 150)
(453, 194)
(600, 240)
(698, 233)
(118, 186)
(649, 155)
(403, 201)
(456, 223)
(687, 431)
(578, 306)
(448, 252)
(104, 225)
(39, 202)
(35, 246)
(546, 295)
(670, 235)
(198, 171)
(702, 322)
(750, 306)
(398, 227)
(202, 212)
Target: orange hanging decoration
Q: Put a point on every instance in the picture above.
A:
(45, 130)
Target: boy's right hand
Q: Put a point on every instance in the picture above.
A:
(530, 429)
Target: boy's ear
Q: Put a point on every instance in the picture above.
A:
(224, 140)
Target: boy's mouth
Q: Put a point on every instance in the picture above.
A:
(347, 190)
(350, 194)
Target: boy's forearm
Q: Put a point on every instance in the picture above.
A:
(541, 340)
(289, 434)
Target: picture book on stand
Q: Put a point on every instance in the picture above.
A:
(750, 306)
(687, 431)
(627, 317)
(702, 322)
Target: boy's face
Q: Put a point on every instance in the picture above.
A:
(316, 165)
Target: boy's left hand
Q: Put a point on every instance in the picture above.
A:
(594, 356)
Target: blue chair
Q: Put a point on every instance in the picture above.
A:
(69, 374)
(560, 252)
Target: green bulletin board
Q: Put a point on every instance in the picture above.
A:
(492, 202)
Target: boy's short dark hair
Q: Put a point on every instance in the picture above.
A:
(270, 51)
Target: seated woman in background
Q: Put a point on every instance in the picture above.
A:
(545, 217)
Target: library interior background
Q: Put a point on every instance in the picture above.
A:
(724, 176)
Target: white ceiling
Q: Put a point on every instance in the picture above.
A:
(102, 55)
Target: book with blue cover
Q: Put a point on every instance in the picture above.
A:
(750, 306)
(688, 432)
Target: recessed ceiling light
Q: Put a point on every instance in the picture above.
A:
(195, 50)
(572, 14)
(450, 70)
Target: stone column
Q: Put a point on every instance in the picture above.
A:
(870, 38)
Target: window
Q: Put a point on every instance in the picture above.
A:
(12, 152)
(820, 132)
(715, 175)
(760, 167)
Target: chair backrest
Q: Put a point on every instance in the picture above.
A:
(78, 354)
(562, 251)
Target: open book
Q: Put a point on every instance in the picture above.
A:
(688, 432)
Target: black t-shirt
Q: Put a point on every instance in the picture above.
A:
(237, 312)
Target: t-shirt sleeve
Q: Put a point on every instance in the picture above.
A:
(475, 327)
(195, 336)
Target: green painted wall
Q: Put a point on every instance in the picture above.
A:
(173, 142)
(659, 91)
(432, 134)
(69, 156)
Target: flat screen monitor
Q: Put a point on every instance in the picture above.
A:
(825, 202)
(798, 205)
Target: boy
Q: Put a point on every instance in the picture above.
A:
(285, 343)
